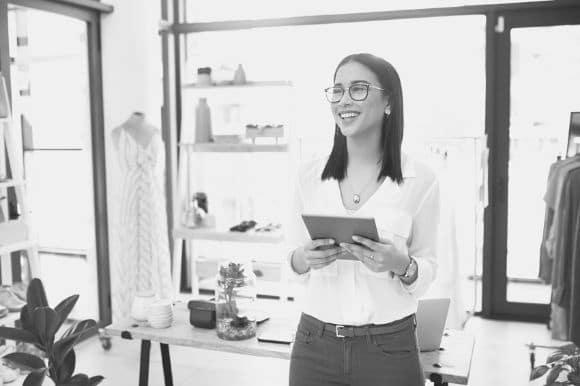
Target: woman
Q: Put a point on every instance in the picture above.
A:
(358, 321)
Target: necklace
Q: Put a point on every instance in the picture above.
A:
(356, 196)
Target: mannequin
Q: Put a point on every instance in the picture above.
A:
(142, 260)
(137, 127)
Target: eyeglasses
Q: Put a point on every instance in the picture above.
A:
(358, 92)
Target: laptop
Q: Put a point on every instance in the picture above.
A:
(431, 317)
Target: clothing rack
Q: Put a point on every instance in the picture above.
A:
(560, 247)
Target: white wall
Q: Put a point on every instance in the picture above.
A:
(132, 81)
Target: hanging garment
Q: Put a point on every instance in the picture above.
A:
(575, 291)
(143, 262)
(564, 236)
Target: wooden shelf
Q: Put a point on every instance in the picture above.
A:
(268, 83)
(235, 147)
(225, 235)
(10, 183)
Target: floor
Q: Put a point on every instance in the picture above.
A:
(500, 358)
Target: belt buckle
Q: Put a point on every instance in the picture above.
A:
(338, 335)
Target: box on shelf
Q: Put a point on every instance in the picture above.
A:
(264, 131)
(227, 138)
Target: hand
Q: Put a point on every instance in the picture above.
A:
(309, 256)
(378, 256)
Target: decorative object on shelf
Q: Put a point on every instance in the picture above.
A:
(202, 122)
(269, 228)
(244, 226)
(141, 303)
(141, 261)
(39, 325)
(202, 313)
(239, 75)
(254, 131)
(204, 76)
(196, 215)
(562, 367)
(235, 297)
(160, 314)
(227, 138)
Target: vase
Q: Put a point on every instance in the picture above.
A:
(235, 301)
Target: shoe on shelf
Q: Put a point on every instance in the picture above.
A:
(9, 300)
(19, 289)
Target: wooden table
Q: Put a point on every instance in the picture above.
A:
(450, 364)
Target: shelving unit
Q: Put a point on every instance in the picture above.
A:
(224, 235)
(15, 235)
(246, 96)
(267, 83)
(234, 147)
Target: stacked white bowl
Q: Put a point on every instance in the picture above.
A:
(160, 314)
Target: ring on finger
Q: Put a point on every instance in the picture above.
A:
(371, 257)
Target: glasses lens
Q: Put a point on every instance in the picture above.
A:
(359, 92)
(334, 94)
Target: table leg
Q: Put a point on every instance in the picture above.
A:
(144, 365)
(166, 359)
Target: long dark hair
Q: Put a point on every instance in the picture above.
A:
(392, 128)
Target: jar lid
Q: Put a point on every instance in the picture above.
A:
(203, 305)
(204, 70)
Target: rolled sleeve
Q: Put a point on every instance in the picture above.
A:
(423, 241)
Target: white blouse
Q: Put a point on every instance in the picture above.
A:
(346, 292)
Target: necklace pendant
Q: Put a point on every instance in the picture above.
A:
(355, 198)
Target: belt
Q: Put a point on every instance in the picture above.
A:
(341, 331)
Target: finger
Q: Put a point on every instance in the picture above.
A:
(320, 243)
(321, 263)
(325, 253)
(356, 250)
(366, 242)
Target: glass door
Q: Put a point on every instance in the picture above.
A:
(537, 83)
(51, 103)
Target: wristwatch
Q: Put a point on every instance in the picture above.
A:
(411, 270)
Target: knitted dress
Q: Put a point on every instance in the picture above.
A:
(143, 263)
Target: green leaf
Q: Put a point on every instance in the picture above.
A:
(45, 322)
(79, 380)
(36, 378)
(79, 328)
(17, 334)
(25, 361)
(538, 372)
(66, 369)
(26, 318)
(93, 381)
(35, 296)
(65, 307)
(553, 374)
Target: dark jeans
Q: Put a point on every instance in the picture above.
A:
(391, 358)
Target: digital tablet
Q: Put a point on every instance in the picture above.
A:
(341, 229)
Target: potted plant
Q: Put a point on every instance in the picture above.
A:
(39, 326)
(562, 367)
(235, 294)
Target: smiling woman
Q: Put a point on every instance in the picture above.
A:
(374, 298)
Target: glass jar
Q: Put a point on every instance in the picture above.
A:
(235, 301)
